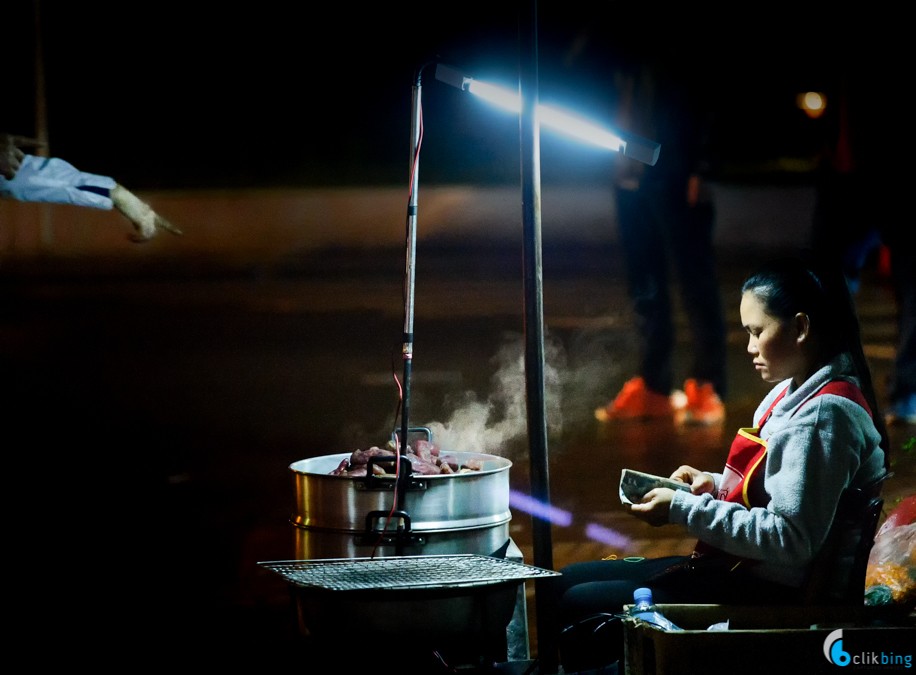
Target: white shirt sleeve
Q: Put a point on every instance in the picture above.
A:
(53, 180)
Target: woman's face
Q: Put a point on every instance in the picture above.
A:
(773, 343)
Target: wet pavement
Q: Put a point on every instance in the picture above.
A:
(151, 420)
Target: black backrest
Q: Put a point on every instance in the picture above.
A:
(837, 574)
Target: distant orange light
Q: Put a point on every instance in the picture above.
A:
(813, 103)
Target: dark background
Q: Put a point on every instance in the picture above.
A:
(179, 95)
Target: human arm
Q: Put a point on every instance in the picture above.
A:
(812, 456)
(56, 181)
(656, 503)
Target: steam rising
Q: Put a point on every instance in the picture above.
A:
(494, 424)
(578, 377)
(576, 380)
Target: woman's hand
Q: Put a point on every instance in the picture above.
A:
(654, 506)
(700, 483)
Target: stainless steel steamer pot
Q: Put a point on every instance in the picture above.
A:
(346, 517)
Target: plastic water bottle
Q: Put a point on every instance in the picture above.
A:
(644, 609)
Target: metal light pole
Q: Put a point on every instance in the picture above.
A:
(529, 130)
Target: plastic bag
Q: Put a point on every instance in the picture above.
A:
(892, 562)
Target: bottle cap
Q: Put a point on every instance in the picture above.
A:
(642, 594)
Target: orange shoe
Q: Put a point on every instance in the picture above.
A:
(636, 402)
(703, 404)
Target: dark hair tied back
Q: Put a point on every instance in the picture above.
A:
(803, 284)
(789, 286)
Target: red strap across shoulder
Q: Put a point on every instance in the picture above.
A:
(847, 390)
(769, 410)
(837, 387)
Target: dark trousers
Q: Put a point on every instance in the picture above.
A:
(660, 232)
(590, 595)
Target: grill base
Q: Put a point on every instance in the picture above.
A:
(411, 627)
(413, 610)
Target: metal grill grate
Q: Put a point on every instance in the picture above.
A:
(444, 571)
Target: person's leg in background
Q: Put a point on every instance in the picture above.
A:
(695, 264)
(647, 393)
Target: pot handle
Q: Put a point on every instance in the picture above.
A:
(375, 517)
(373, 482)
(400, 537)
(413, 430)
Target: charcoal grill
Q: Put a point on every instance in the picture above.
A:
(458, 606)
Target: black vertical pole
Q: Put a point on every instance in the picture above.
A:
(529, 130)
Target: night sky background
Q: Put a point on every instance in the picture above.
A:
(185, 95)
